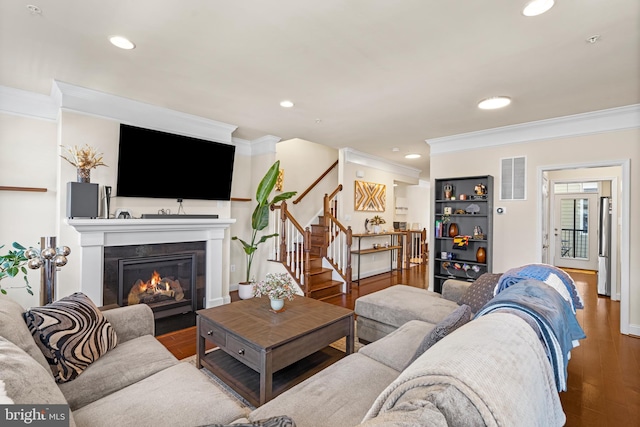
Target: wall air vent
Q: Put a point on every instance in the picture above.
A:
(513, 178)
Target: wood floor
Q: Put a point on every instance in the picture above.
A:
(604, 371)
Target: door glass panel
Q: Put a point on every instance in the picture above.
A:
(575, 232)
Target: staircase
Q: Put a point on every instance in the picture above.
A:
(321, 284)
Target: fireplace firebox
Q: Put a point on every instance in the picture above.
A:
(165, 283)
(170, 278)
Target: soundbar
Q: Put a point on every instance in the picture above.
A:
(179, 216)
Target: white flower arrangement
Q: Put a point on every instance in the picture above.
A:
(276, 286)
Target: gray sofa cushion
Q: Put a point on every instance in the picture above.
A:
(399, 304)
(453, 321)
(72, 333)
(339, 395)
(126, 364)
(25, 380)
(14, 329)
(481, 291)
(397, 349)
(177, 396)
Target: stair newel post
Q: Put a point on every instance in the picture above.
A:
(307, 260)
(348, 271)
(283, 232)
(424, 248)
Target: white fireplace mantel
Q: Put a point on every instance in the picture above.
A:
(95, 234)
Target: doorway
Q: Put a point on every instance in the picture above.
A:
(617, 172)
(574, 225)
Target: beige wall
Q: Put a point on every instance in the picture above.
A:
(303, 162)
(28, 151)
(515, 232)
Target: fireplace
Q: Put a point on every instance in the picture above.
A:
(169, 278)
(164, 283)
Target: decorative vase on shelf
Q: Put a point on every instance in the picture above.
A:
(245, 290)
(377, 229)
(453, 229)
(481, 255)
(83, 175)
(276, 304)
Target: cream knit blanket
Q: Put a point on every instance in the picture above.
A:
(497, 362)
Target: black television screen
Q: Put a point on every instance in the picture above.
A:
(163, 165)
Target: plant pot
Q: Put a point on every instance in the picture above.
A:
(276, 304)
(453, 230)
(481, 255)
(245, 290)
(377, 229)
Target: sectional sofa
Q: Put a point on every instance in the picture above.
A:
(493, 370)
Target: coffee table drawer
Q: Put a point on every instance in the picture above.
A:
(212, 332)
(247, 355)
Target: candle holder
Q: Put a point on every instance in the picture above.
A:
(49, 258)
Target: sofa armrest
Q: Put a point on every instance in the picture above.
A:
(131, 322)
(453, 289)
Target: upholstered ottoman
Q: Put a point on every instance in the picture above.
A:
(382, 312)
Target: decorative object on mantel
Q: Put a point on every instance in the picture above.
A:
(260, 216)
(370, 196)
(49, 258)
(12, 264)
(278, 287)
(84, 159)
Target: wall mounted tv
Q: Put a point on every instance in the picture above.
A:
(163, 165)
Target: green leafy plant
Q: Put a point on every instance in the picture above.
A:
(260, 217)
(13, 264)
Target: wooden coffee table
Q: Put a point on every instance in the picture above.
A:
(265, 353)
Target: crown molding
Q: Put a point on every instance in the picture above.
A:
(264, 144)
(29, 104)
(613, 119)
(88, 101)
(369, 160)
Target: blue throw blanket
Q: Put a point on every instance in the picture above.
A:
(556, 321)
(552, 276)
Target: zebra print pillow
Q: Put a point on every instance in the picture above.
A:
(71, 333)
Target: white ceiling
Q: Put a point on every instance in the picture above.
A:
(377, 73)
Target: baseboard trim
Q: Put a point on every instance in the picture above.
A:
(634, 330)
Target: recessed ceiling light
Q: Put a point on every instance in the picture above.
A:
(122, 42)
(286, 104)
(494, 102)
(395, 149)
(537, 7)
(34, 10)
(412, 156)
(594, 38)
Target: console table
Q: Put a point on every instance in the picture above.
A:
(394, 244)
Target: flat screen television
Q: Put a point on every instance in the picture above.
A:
(168, 166)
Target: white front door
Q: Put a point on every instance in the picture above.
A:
(575, 223)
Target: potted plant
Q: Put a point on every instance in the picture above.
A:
(260, 217)
(13, 264)
(277, 286)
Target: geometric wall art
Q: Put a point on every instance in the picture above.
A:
(370, 196)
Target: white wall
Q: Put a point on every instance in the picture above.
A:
(515, 232)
